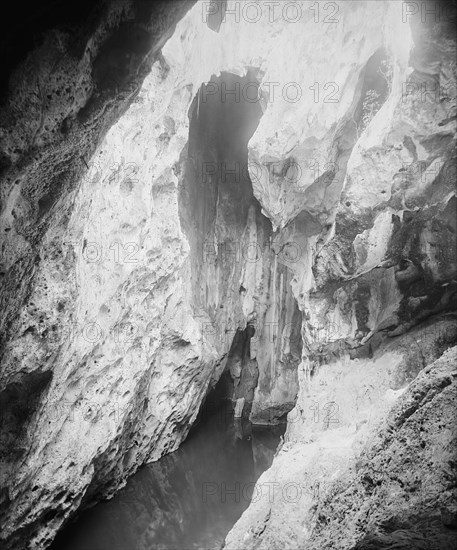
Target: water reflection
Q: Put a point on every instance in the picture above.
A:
(189, 499)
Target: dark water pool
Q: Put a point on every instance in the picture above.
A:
(187, 500)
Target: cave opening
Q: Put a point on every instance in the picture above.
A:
(233, 394)
(217, 209)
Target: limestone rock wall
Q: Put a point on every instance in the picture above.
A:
(374, 469)
(239, 280)
(378, 301)
(61, 101)
(111, 310)
(106, 360)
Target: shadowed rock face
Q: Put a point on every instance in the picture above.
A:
(123, 303)
(68, 73)
(370, 445)
(237, 281)
(57, 106)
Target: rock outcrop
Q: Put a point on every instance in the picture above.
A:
(363, 463)
(62, 99)
(303, 253)
(378, 300)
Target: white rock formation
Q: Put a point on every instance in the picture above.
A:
(116, 265)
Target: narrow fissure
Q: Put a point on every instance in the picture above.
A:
(223, 222)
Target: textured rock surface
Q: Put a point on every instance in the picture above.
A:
(237, 280)
(400, 490)
(123, 300)
(61, 102)
(403, 488)
(386, 262)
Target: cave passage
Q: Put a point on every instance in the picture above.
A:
(224, 223)
(216, 195)
(192, 498)
(188, 499)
